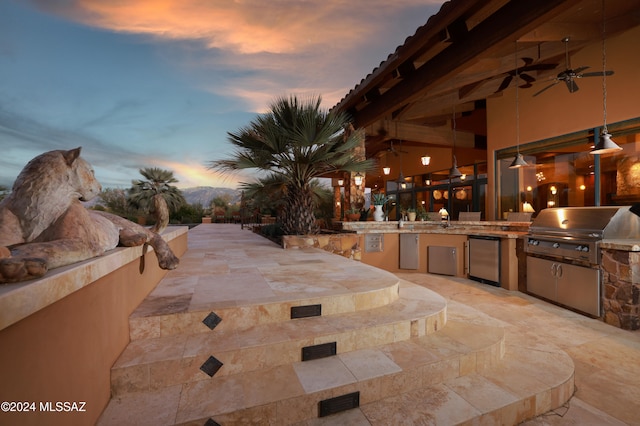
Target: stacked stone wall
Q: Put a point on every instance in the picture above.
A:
(345, 245)
(621, 288)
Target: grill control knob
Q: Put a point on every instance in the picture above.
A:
(579, 248)
(585, 248)
(556, 245)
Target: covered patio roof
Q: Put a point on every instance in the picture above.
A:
(465, 54)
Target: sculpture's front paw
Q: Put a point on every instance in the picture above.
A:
(168, 261)
(13, 269)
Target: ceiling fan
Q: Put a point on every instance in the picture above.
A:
(570, 75)
(520, 72)
(394, 150)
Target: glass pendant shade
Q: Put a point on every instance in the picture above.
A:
(425, 159)
(386, 170)
(518, 162)
(605, 145)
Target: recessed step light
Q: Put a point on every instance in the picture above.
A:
(322, 350)
(338, 404)
(306, 311)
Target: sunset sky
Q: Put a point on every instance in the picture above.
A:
(159, 83)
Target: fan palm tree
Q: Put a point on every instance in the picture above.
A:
(296, 141)
(156, 196)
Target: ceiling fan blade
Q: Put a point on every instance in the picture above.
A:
(571, 85)
(540, 67)
(548, 87)
(505, 83)
(527, 78)
(596, 74)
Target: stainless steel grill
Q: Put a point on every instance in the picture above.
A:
(574, 233)
(564, 253)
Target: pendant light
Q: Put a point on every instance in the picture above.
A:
(605, 144)
(386, 169)
(453, 171)
(402, 184)
(518, 161)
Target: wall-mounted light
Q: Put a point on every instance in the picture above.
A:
(386, 170)
(340, 182)
(425, 160)
(553, 190)
(582, 187)
(529, 189)
(337, 203)
(444, 214)
(427, 182)
(357, 179)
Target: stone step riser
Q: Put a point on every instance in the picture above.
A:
(246, 358)
(306, 407)
(241, 318)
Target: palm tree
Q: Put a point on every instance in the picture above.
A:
(296, 142)
(156, 196)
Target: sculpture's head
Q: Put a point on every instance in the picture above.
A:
(82, 176)
(58, 174)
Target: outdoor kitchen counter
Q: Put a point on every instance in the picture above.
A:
(501, 229)
(383, 249)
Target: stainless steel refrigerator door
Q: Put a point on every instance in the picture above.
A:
(484, 259)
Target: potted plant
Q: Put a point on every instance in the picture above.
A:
(353, 214)
(422, 214)
(378, 200)
(411, 214)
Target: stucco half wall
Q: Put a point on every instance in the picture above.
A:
(60, 335)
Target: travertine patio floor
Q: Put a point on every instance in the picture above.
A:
(252, 283)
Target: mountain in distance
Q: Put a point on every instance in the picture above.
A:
(205, 194)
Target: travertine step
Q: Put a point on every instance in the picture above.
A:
(527, 383)
(146, 322)
(159, 362)
(291, 393)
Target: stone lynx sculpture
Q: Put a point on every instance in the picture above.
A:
(43, 225)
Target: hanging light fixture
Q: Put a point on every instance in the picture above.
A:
(453, 171)
(425, 160)
(386, 169)
(518, 161)
(604, 144)
(357, 179)
(401, 182)
(340, 182)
